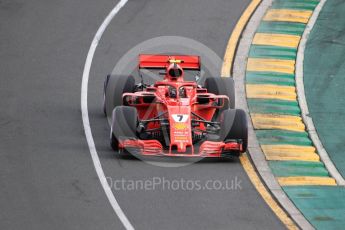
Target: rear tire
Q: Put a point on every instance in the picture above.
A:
(234, 126)
(104, 89)
(222, 86)
(123, 125)
(114, 87)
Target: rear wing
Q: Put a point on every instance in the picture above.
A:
(152, 61)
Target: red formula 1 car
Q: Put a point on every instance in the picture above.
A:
(174, 117)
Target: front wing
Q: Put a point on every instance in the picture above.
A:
(206, 149)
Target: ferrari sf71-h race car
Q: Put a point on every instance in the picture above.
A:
(175, 117)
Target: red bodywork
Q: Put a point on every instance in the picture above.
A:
(183, 114)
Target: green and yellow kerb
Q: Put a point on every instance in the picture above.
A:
(272, 97)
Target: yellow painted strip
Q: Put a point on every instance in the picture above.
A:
(254, 178)
(271, 65)
(306, 180)
(284, 40)
(234, 38)
(290, 152)
(288, 149)
(312, 158)
(287, 93)
(275, 121)
(285, 15)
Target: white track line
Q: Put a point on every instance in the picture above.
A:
(303, 102)
(86, 121)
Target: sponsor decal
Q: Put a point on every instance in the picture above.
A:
(181, 138)
(180, 126)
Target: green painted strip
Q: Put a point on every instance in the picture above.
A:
(323, 206)
(317, 192)
(275, 52)
(295, 4)
(274, 107)
(298, 168)
(270, 78)
(283, 137)
(281, 28)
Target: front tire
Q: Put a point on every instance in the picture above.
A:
(234, 126)
(123, 125)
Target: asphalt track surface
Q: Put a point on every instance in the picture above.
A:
(48, 180)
